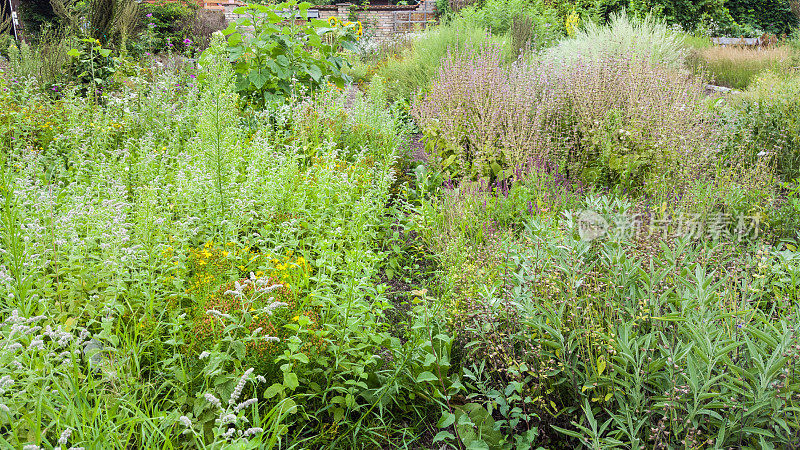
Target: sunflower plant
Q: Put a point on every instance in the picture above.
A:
(276, 48)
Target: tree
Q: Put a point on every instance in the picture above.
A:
(111, 22)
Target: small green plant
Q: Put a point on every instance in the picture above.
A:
(285, 51)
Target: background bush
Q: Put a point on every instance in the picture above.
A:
(766, 120)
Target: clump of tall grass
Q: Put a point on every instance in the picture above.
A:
(644, 39)
(736, 67)
(411, 69)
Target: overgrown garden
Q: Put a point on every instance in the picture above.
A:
(532, 225)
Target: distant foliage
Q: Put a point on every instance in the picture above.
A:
(647, 39)
(770, 16)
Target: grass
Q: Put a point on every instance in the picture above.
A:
(736, 67)
(410, 69)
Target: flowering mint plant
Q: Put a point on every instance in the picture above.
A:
(284, 49)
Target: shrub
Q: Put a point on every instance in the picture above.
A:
(766, 121)
(496, 16)
(174, 23)
(165, 23)
(483, 119)
(613, 121)
(276, 57)
(646, 39)
(641, 126)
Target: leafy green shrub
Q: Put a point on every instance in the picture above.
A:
(274, 58)
(770, 16)
(166, 23)
(765, 121)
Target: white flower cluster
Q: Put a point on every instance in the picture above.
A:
(230, 417)
(62, 442)
(26, 344)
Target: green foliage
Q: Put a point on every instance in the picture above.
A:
(93, 66)
(765, 120)
(786, 220)
(769, 16)
(687, 13)
(621, 368)
(646, 39)
(276, 58)
(412, 69)
(171, 24)
(181, 269)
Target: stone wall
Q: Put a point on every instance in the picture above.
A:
(384, 21)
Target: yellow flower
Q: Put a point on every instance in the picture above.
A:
(225, 254)
(296, 318)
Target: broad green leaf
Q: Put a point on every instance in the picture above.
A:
(426, 376)
(290, 380)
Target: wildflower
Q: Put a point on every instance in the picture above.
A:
(204, 355)
(253, 431)
(245, 404)
(62, 440)
(237, 391)
(185, 421)
(210, 398)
